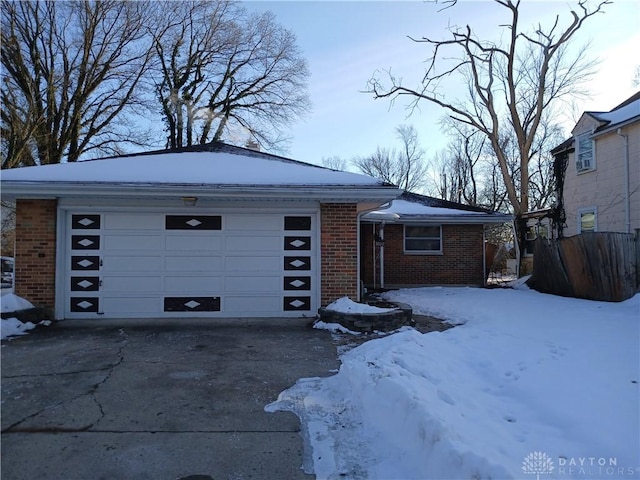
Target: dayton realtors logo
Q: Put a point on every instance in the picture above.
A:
(537, 463)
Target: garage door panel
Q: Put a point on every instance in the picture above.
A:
(253, 264)
(237, 243)
(133, 284)
(240, 304)
(193, 242)
(140, 305)
(131, 263)
(133, 221)
(252, 223)
(178, 263)
(252, 284)
(184, 284)
(126, 242)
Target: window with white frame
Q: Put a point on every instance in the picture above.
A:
(423, 239)
(585, 153)
(587, 220)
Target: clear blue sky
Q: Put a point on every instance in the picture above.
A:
(346, 42)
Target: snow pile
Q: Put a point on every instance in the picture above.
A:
(527, 372)
(334, 328)
(10, 327)
(13, 303)
(346, 305)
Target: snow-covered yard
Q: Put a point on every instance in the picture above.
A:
(528, 386)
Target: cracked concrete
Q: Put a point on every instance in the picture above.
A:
(156, 399)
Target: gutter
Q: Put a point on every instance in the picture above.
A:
(440, 219)
(12, 190)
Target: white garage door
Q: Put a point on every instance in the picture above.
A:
(124, 264)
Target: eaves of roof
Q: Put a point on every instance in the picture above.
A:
(614, 126)
(457, 219)
(12, 190)
(566, 146)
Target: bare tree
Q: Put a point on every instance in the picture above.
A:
(70, 69)
(459, 177)
(541, 189)
(335, 163)
(510, 83)
(403, 167)
(222, 68)
(468, 172)
(7, 230)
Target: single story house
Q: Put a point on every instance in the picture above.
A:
(420, 240)
(213, 230)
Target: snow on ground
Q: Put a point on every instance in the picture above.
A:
(10, 327)
(527, 386)
(334, 328)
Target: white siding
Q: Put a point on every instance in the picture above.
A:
(604, 187)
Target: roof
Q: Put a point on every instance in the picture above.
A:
(627, 111)
(623, 114)
(414, 208)
(213, 170)
(566, 146)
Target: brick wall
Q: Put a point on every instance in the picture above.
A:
(339, 268)
(460, 263)
(35, 251)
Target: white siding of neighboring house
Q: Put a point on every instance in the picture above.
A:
(603, 188)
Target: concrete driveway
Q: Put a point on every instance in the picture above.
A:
(178, 399)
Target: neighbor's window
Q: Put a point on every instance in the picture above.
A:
(585, 153)
(587, 220)
(423, 238)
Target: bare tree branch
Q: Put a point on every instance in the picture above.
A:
(224, 71)
(404, 167)
(71, 68)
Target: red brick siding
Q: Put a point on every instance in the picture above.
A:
(460, 263)
(339, 265)
(35, 251)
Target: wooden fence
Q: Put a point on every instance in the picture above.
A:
(596, 266)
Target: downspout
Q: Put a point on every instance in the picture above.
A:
(358, 253)
(373, 253)
(484, 256)
(627, 197)
(381, 236)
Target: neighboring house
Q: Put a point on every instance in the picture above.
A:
(421, 240)
(212, 230)
(600, 190)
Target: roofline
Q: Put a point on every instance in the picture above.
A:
(443, 219)
(614, 126)
(12, 190)
(440, 203)
(568, 144)
(213, 147)
(631, 99)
